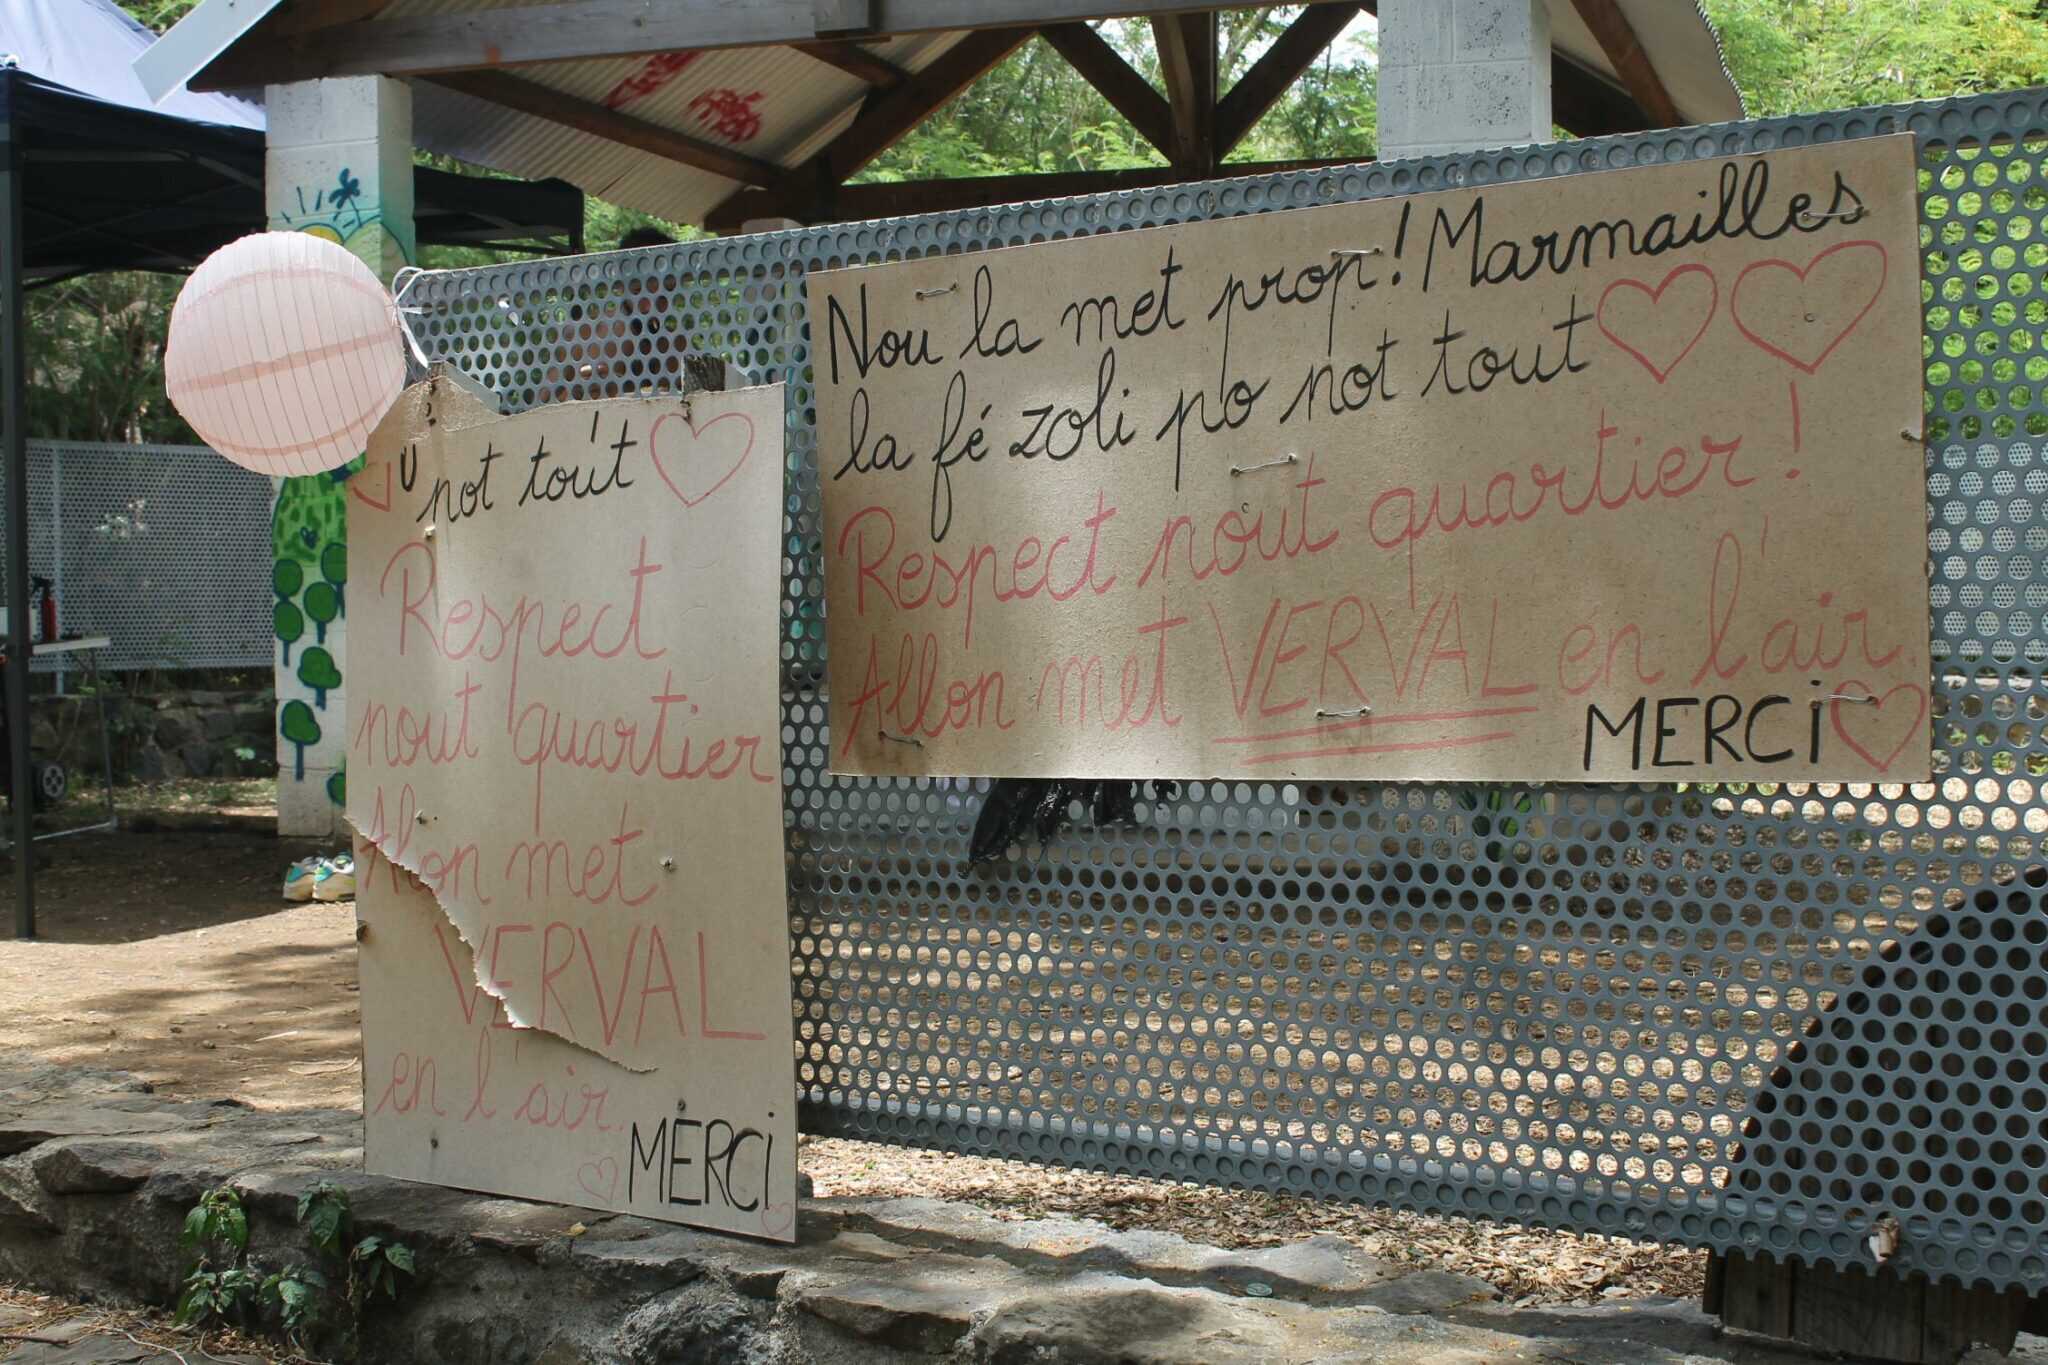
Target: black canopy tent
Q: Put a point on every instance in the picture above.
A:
(87, 184)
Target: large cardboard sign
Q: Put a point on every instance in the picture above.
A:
(564, 770)
(1609, 477)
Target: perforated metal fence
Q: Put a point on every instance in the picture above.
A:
(165, 549)
(1740, 1017)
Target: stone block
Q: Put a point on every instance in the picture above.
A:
(304, 810)
(1429, 1291)
(916, 1316)
(90, 1167)
(342, 109)
(176, 729)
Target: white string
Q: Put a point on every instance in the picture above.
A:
(401, 283)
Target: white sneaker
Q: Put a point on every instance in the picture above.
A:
(299, 878)
(336, 879)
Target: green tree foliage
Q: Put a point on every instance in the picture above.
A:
(1035, 113)
(96, 359)
(1801, 56)
(158, 15)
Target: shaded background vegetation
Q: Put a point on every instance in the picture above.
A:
(97, 342)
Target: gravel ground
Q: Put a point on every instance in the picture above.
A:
(1531, 1266)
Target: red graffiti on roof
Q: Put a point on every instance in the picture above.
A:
(653, 74)
(728, 113)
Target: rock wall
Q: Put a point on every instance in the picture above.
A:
(96, 1176)
(180, 734)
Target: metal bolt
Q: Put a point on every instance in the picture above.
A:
(668, 862)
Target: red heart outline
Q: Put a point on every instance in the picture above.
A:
(598, 1168)
(697, 434)
(1735, 300)
(361, 481)
(1913, 729)
(1656, 297)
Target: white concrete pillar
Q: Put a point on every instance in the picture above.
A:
(1462, 75)
(339, 164)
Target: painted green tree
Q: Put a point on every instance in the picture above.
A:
(334, 568)
(323, 604)
(295, 721)
(317, 671)
(289, 623)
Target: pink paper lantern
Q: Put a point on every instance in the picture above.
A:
(284, 353)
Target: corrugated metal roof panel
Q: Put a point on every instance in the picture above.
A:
(1680, 42)
(773, 103)
(779, 105)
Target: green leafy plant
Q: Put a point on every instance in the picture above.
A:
(217, 1222)
(299, 1300)
(297, 1295)
(323, 1213)
(216, 1296)
(218, 1287)
(375, 1264)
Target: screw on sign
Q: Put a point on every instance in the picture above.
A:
(284, 353)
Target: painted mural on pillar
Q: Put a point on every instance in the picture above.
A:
(338, 212)
(309, 533)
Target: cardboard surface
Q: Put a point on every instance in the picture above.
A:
(1608, 477)
(564, 772)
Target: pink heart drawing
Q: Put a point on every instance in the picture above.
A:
(600, 1179)
(1862, 711)
(777, 1218)
(359, 487)
(699, 470)
(1783, 320)
(1655, 325)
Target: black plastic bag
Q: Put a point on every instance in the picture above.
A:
(1037, 806)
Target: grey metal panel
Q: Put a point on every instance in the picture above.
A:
(1731, 1016)
(166, 549)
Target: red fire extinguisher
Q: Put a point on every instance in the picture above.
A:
(47, 606)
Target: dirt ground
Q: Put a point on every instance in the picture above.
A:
(170, 955)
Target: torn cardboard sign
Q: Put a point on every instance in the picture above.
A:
(564, 772)
(1603, 477)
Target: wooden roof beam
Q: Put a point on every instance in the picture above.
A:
(856, 61)
(1587, 104)
(892, 199)
(1292, 53)
(1187, 60)
(1617, 38)
(1115, 79)
(577, 30)
(526, 97)
(886, 117)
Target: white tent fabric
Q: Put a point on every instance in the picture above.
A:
(90, 46)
